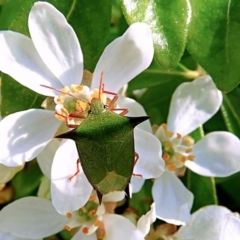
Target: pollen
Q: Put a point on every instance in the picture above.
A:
(69, 215)
(169, 133)
(165, 157)
(66, 227)
(191, 157)
(65, 89)
(85, 230)
(76, 88)
(59, 99)
(92, 212)
(92, 198)
(97, 223)
(188, 150)
(171, 167)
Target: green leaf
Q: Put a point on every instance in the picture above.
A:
(91, 22)
(141, 200)
(16, 97)
(203, 189)
(213, 40)
(27, 181)
(231, 112)
(168, 20)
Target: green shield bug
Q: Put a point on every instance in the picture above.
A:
(105, 144)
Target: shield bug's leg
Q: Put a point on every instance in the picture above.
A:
(135, 161)
(111, 104)
(76, 173)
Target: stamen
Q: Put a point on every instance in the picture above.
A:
(97, 223)
(167, 146)
(191, 157)
(165, 157)
(92, 198)
(169, 133)
(85, 230)
(68, 215)
(66, 227)
(188, 150)
(188, 141)
(171, 167)
(179, 136)
(59, 99)
(76, 88)
(65, 89)
(183, 159)
(92, 212)
(164, 126)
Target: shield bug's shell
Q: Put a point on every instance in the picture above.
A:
(105, 144)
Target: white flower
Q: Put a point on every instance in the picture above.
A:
(53, 57)
(36, 218)
(211, 223)
(216, 154)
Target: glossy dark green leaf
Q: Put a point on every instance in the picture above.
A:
(168, 20)
(27, 181)
(231, 111)
(213, 40)
(141, 200)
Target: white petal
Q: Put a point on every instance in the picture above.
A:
(80, 236)
(20, 60)
(119, 228)
(137, 184)
(56, 42)
(146, 220)
(231, 228)
(31, 217)
(45, 158)
(125, 58)
(193, 104)
(205, 224)
(68, 195)
(114, 196)
(134, 110)
(25, 134)
(173, 200)
(8, 236)
(7, 173)
(217, 155)
(149, 149)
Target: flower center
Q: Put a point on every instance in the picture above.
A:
(176, 149)
(73, 104)
(88, 218)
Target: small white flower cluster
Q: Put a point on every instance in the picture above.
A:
(50, 58)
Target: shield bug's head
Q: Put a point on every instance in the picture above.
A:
(97, 107)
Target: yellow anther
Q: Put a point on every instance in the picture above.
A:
(183, 159)
(167, 146)
(76, 88)
(92, 198)
(97, 223)
(80, 105)
(85, 230)
(191, 157)
(60, 99)
(68, 215)
(92, 212)
(188, 150)
(164, 126)
(178, 156)
(66, 227)
(65, 89)
(168, 133)
(171, 167)
(179, 136)
(165, 157)
(188, 141)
